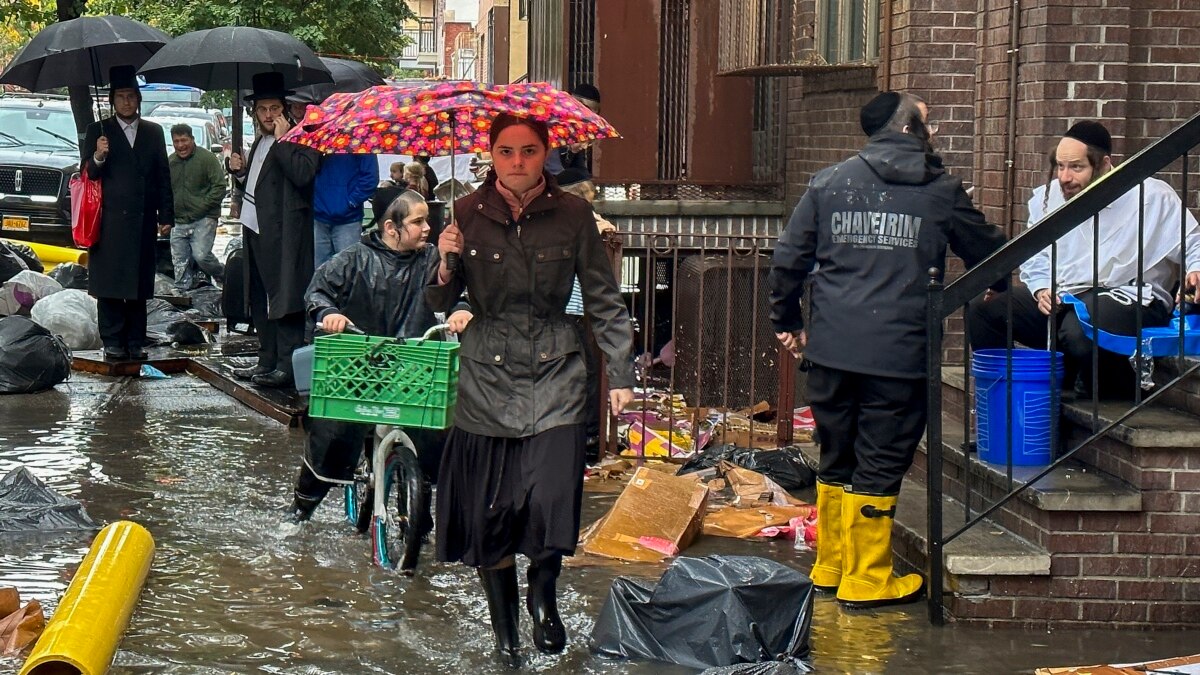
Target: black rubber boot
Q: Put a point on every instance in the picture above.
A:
(302, 509)
(309, 493)
(549, 635)
(500, 588)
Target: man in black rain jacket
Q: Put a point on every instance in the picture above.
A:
(867, 231)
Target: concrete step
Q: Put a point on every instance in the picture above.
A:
(1070, 486)
(984, 550)
(1154, 427)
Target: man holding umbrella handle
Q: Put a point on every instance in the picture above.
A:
(129, 156)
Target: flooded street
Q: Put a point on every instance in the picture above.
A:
(232, 591)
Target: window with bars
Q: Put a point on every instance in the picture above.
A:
(673, 91)
(547, 41)
(581, 48)
(848, 30)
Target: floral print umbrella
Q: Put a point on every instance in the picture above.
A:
(440, 119)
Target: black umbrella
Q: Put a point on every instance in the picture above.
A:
(229, 57)
(79, 52)
(349, 77)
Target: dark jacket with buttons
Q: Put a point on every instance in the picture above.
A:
(522, 360)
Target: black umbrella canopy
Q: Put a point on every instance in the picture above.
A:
(229, 57)
(79, 52)
(349, 77)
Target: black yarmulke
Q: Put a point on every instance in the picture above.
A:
(875, 114)
(1093, 134)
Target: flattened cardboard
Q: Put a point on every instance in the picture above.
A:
(653, 505)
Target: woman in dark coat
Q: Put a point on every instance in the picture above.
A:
(511, 479)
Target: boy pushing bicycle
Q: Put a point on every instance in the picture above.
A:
(377, 287)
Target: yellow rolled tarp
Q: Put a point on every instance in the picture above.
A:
(55, 255)
(83, 635)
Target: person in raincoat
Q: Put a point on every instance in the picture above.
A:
(511, 479)
(128, 155)
(376, 285)
(867, 231)
(277, 214)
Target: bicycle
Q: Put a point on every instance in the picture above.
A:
(390, 497)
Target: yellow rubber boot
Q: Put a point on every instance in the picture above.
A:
(827, 570)
(867, 576)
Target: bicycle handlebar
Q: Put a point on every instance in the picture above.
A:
(351, 328)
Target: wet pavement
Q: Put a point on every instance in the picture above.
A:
(232, 591)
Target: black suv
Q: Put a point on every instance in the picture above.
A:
(38, 154)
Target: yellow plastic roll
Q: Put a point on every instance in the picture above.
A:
(83, 636)
(56, 255)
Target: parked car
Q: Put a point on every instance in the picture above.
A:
(39, 152)
(204, 132)
(216, 117)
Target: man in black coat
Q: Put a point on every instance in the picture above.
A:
(867, 231)
(277, 219)
(128, 155)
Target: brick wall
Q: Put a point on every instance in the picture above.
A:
(823, 123)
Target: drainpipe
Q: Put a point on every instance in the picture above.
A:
(887, 37)
(1010, 148)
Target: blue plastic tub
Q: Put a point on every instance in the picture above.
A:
(1033, 411)
(302, 368)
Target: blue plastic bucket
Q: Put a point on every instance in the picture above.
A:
(1033, 411)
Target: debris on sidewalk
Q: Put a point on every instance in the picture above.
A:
(29, 505)
(750, 611)
(731, 521)
(627, 532)
(19, 626)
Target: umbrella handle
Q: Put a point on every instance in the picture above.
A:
(452, 260)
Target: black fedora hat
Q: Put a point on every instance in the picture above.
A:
(268, 85)
(122, 77)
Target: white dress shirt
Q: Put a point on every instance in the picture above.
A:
(249, 216)
(1118, 249)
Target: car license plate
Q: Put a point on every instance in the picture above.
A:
(16, 223)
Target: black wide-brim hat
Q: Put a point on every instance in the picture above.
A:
(268, 85)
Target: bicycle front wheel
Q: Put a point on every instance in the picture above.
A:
(398, 532)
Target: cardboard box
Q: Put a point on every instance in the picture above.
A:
(649, 439)
(656, 516)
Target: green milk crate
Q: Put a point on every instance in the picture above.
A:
(378, 380)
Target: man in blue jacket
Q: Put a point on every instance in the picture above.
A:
(866, 232)
(343, 184)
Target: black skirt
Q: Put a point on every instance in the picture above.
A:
(500, 496)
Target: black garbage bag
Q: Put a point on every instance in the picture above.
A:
(782, 465)
(166, 324)
(29, 505)
(206, 301)
(710, 612)
(27, 255)
(32, 359)
(71, 275)
(10, 263)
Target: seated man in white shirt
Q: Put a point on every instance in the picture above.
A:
(1083, 155)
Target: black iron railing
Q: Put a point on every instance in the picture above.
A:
(971, 287)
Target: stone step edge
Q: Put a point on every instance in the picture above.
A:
(985, 550)
(1071, 486)
(1155, 427)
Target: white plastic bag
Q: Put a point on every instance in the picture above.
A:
(18, 294)
(72, 315)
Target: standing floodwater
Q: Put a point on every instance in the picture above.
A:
(232, 591)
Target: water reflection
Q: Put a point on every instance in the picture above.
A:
(232, 591)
